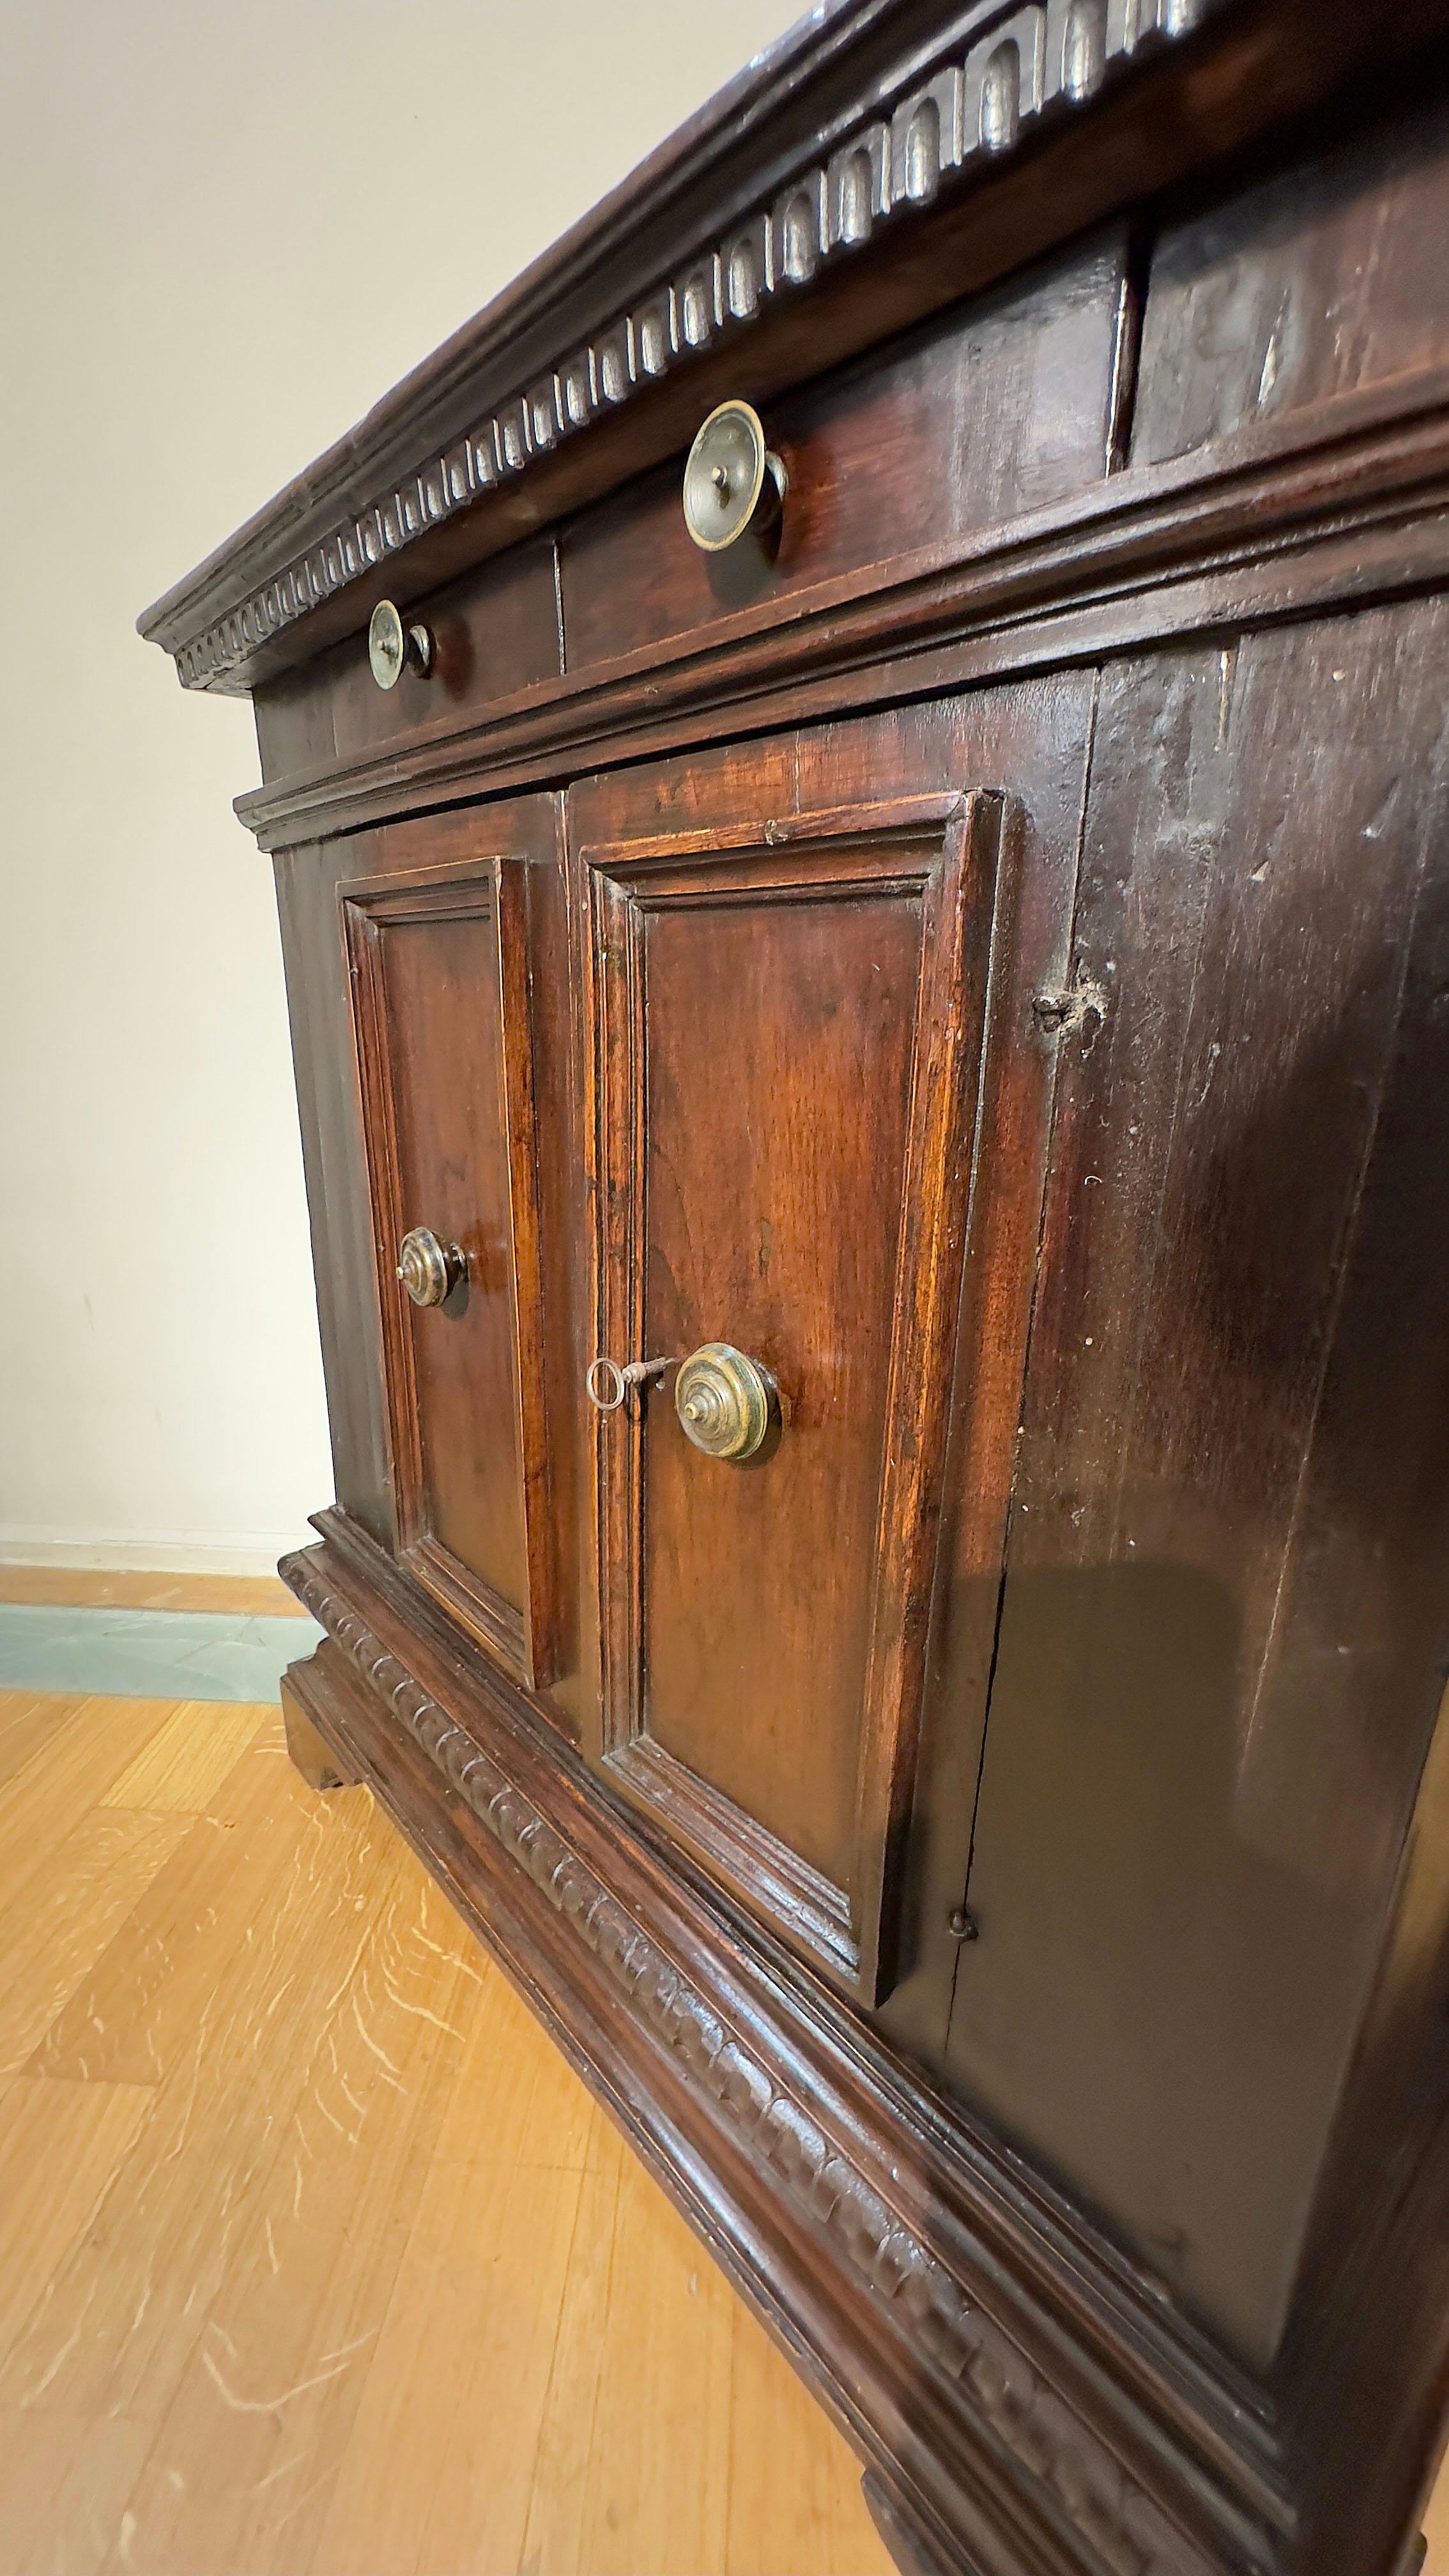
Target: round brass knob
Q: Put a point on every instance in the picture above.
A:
(724, 1401)
(428, 1269)
(732, 481)
(391, 645)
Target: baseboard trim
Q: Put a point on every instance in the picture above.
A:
(156, 1552)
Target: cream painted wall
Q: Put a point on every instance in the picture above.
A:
(227, 230)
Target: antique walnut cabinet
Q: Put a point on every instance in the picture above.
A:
(858, 774)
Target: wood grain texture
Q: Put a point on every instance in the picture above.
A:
(61, 2147)
(64, 2480)
(1339, 501)
(247, 2246)
(855, 942)
(999, 408)
(69, 1752)
(53, 1935)
(1247, 918)
(1320, 281)
(787, 1591)
(187, 1759)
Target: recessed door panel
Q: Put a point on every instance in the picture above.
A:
(786, 1036)
(440, 973)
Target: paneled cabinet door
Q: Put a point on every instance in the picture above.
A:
(786, 1011)
(440, 969)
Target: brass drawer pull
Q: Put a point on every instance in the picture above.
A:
(429, 1269)
(725, 1402)
(391, 646)
(733, 482)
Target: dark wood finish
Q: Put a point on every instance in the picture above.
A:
(989, 961)
(1033, 739)
(1323, 280)
(1001, 407)
(1199, 1647)
(440, 968)
(764, 1626)
(323, 1763)
(494, 634)
(1346, 500)
(1020, 2395)
(909, 2554)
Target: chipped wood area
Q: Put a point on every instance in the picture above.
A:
(315, 2257)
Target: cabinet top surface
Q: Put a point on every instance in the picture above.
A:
(882, 159)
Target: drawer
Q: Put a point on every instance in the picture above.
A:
(493, 633)
(998, 407)
(1321, 282)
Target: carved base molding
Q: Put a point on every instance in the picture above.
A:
(1024, 2406)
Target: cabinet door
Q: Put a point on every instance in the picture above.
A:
(786, 1012)
(440, 972)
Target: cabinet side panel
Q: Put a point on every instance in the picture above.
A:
(1209, 1705)
(318, 1005)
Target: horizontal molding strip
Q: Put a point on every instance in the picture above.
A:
(982, 97)
(958, 2349)
(1346, 503)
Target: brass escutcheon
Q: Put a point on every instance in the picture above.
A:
(429, 1269)
(724, 1401)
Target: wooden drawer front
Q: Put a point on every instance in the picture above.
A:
(786, 1025)
(998, 407)
(440, 974)
(1320, 283)
(495, 634)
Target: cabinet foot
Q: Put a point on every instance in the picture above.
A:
(320, 1767)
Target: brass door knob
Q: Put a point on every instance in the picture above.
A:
(428, 1269)
(391, 645)
(733, 483)
(724, 1401)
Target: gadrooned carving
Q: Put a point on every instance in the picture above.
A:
(1044, 59)
(1045, 2440)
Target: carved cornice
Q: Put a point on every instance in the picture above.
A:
(974, 106)
(1013, 2405)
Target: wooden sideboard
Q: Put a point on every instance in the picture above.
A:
(874, 1072)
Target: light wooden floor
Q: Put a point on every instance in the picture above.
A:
(251, 1596)
(315, 2259)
